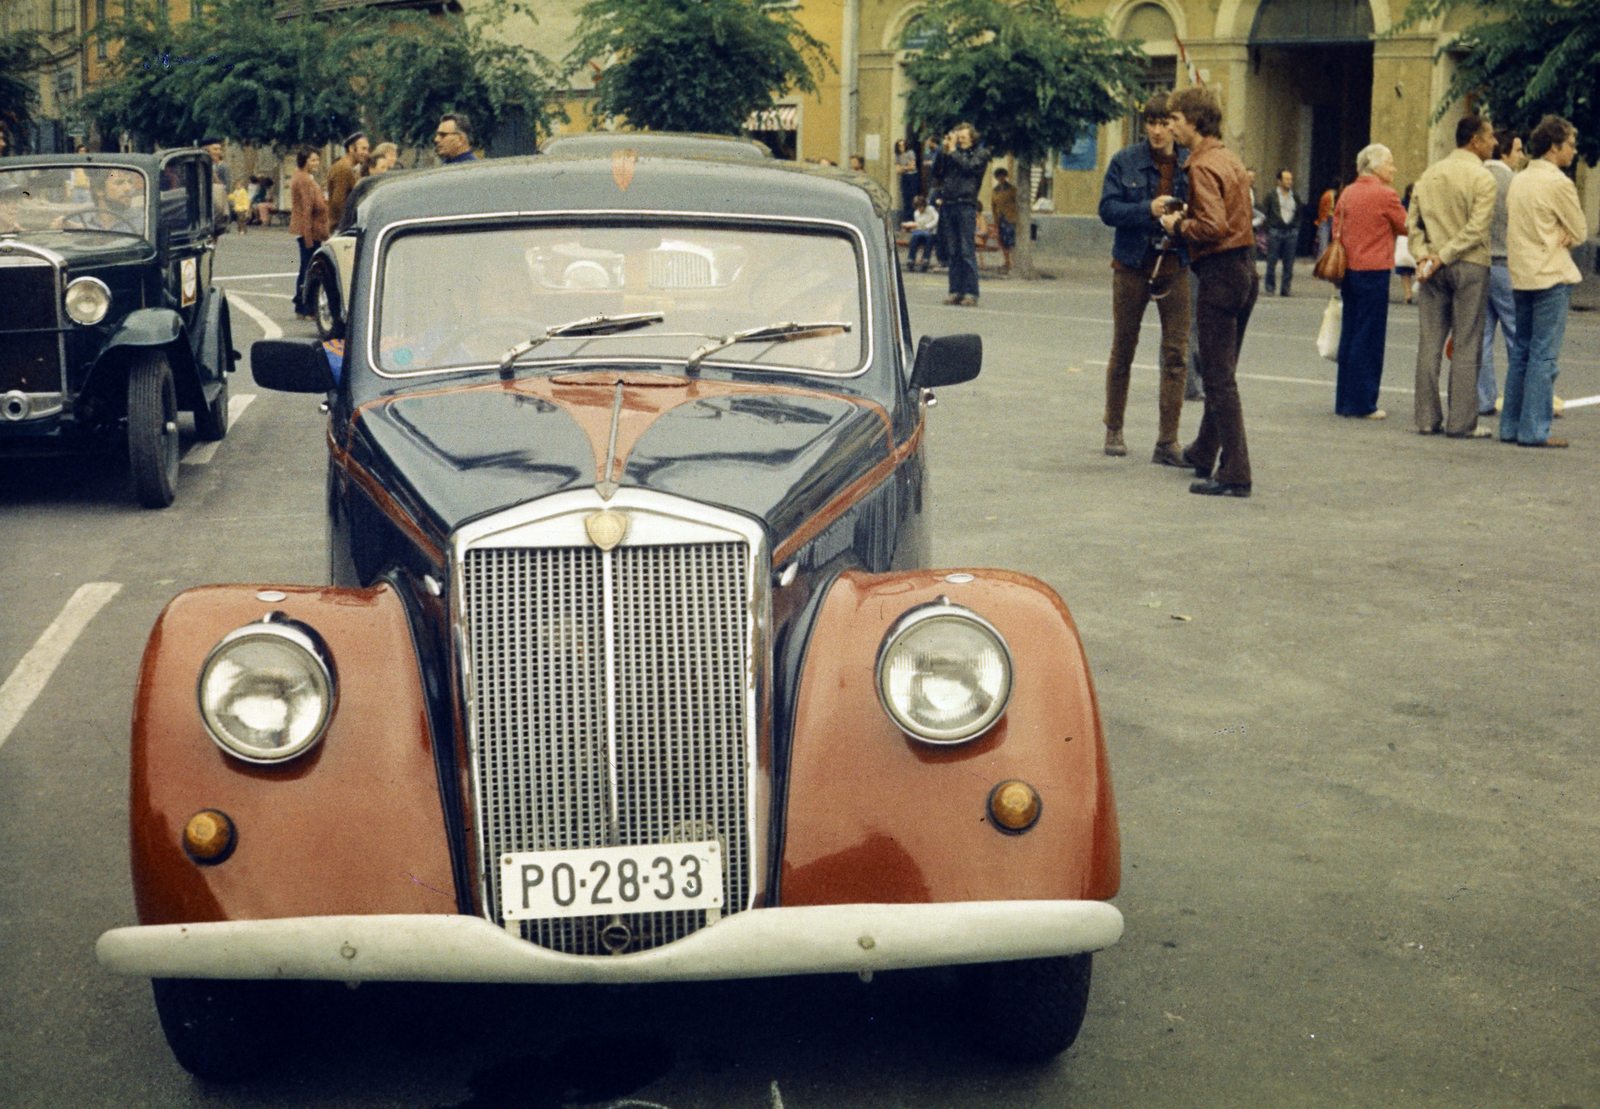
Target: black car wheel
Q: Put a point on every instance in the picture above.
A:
(325, 304)
(1029, 1011)
(153, 429)
(222, 1030)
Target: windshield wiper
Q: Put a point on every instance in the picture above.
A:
(588, 326)
(772, 333)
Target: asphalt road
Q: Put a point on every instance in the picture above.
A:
(1351, 722)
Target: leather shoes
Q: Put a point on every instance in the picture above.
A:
(952, 299)
(1550, 442)
(1199, 470)
(1115, 447)
(1211, 487)
(1475, 433)
(1168, 455)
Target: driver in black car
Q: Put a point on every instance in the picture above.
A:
(118, 204)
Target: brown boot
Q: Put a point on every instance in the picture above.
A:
(1115, 447)
(1169, 454)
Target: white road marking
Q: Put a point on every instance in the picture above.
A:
(202, 453)
(1301, 381)
(28, 680)
(268, 328)
(1581, 402)
(255, 276)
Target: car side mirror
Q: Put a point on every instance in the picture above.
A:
(946, 360)
(291, 366)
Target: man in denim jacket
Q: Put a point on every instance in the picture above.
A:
(1142, 182)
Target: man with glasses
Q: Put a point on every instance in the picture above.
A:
(452, 141)
(1143, 183)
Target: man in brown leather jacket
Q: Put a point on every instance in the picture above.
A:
(1217, 227)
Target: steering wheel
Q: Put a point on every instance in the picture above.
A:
(82, 216)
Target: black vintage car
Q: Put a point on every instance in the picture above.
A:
(109, 324)
(630, 666)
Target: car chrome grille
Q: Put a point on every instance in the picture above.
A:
(29, 363)
(673, 621)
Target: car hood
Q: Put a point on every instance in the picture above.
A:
(776, 453)
(87, 247)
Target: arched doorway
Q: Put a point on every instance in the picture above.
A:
(1311, 62)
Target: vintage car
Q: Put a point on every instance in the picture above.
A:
(109, 324)
(333, 263)
(630, 667)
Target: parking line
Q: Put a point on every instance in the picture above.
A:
(29, 678)
(268, 328)
(1581, 402)
(255, 276)
(202, 453)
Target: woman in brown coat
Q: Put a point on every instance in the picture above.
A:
(308, 221)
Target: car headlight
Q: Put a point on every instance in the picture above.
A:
(267, 691)
(88, 300)
(944, 673)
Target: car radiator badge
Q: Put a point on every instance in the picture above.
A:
(606, 529)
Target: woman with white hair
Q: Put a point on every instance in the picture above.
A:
(1366, 221)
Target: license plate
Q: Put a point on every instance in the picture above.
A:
(598, 881)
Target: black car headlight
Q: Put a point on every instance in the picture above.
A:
(267, 691)
(88, 300)
(944, 673)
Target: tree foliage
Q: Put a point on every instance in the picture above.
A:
(1028, 74)
(20, 57)
(1523, 60)
(692, 65)
(241, 69)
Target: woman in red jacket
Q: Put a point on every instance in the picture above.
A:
(1366, 221)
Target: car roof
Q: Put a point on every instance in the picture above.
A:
(587, 182)
(659, 143)
(147, 162)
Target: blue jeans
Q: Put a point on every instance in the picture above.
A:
(1361, 336)
(923, 241)
(1531, 370)
(1501, 308)
(1280, 248)
(961, 237)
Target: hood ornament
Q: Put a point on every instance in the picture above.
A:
(606, 529)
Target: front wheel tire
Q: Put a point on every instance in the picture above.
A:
(153, 429)
(1030, 1010)
(222, 1030)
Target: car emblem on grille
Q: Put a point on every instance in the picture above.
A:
(606, 529)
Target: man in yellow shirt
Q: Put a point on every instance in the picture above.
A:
(1544, 221)
(1451, 208)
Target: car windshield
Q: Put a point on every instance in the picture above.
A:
(72, 198)
(461, 300)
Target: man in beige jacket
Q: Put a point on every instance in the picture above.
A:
(1544, 221)
(1451, 207)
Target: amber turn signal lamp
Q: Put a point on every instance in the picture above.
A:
(209, 836)
(1014, 806)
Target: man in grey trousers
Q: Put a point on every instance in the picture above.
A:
(1451, 208)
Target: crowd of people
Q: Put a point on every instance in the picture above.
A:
(1482, 240)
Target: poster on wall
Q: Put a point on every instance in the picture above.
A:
(1085, 153)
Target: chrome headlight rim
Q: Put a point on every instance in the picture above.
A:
(302, 641)
(943, 609)
(88, 311)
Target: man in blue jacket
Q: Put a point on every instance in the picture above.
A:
(1142, 182)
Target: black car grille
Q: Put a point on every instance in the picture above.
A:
(30, 358)
(679, 648)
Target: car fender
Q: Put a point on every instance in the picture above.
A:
(142, 329)
(353, 826)
(874, 815)
(213, 342)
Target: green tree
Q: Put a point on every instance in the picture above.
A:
(692, 65)
(20, 58)
(421, 68)
(1523, 60)
(1028, 74)
(241, 69)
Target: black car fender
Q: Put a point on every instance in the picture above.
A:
(144, 329)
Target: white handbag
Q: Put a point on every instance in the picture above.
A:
(1328, 333)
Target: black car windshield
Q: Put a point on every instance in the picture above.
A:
(459, 300)
(72, 198)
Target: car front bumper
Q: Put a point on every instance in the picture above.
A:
(755, 944)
